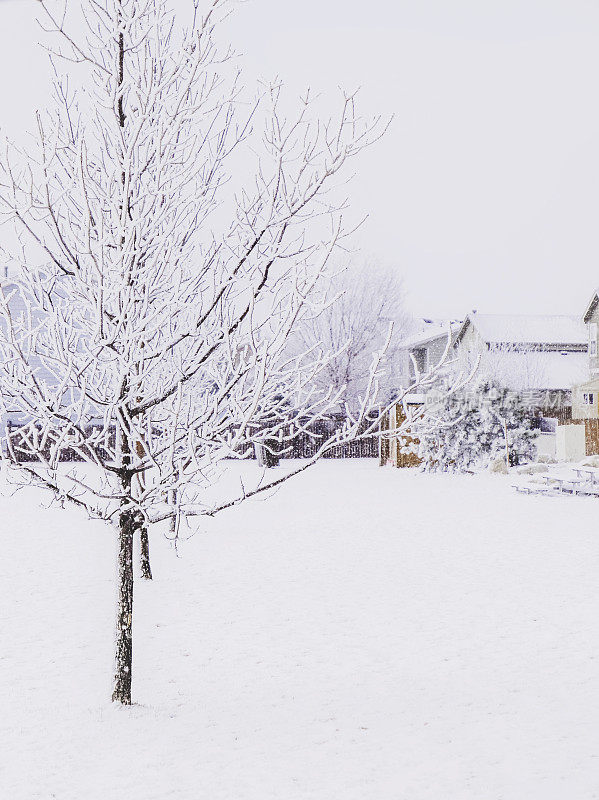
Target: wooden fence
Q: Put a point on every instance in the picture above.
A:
(304, 445)
(591, 434)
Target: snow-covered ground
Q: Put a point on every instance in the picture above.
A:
(366, 634)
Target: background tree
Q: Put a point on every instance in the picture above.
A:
(161, 278)
(365, 299)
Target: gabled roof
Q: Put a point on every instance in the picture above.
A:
(527, 329)
(591, 306)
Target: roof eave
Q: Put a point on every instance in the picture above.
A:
(591, 307)
(462, 331)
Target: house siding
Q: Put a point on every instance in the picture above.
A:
(469, 347)
(593, 319)
(580, 409)
(435, 348)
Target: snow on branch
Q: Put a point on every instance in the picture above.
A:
(145, 335)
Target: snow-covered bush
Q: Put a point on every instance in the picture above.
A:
(468, 430)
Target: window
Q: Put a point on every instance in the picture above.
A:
(420, 357)
(593, 339)
(588, 398)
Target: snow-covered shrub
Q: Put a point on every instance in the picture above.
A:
(470, 429)
(532, 469)
(545, 458)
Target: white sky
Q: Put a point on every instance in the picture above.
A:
(485, 192)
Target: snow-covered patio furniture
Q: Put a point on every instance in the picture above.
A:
(583, 482)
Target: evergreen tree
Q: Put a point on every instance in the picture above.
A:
(469, 429)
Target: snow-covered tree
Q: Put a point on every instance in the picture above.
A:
(161, 277)
(367, 297)
(468, 429)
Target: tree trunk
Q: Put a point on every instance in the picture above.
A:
(173, 502)
(146, 569)
(127, 517)
(124, 637)
(507, 446)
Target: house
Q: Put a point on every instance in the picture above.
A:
(585, 397)
(425, 348)
(421, 351)
(540, 356)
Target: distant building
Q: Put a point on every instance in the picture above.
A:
(541, 356)
(425, 347)
(585, 399)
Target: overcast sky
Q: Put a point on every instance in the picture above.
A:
(485, 192)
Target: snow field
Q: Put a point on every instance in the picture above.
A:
(364, 633)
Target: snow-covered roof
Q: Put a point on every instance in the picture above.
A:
(534, 369)
(527, 329)
(428, 331)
